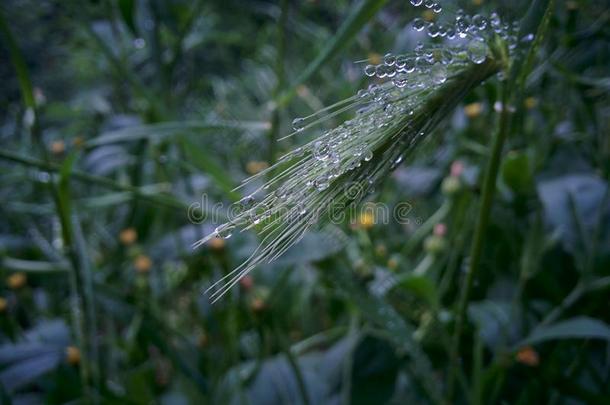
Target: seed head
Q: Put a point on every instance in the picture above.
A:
(340, 166)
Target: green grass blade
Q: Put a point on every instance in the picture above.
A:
(33, 266)
(137, 192)
(18, 61)
(128, 11)
(164, 129)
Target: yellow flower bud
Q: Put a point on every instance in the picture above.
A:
(16, 280)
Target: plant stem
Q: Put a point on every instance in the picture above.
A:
(489, 188)
(298, 374)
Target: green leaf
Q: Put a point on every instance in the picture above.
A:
(137, 192)
(128, 9)
(581, 327)
(421, 287)
(572, 205)
(18, 61)
(33, 266)
(374, 370)
(165, 129)
(391, 326)
(360, 15)
(517, 171)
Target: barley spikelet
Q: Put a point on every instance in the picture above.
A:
(340, 166)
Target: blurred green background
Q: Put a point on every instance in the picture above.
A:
(118, 116)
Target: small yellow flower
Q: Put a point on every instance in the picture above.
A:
(16, 280)
(477, 2)
(528, 356)
(366, 220)
(381, 250)
(72, 355)
(255, 166)
(530, 102)
(78, 141)
(58, 147)
(392, 263)
(217, 243)
(473, 110)
(142, 263)
(128, 236)
(3, 305)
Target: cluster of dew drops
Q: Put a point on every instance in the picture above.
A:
(465, 36)
(347, 146)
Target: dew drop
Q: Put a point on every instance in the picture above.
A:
(321, 150)
(417, 3)
(433, 30)
(527, 38)
(419, 24)
(334, 158)
(390, 71)
(438, 73)
(396, 162)
(409, 65)
(446, 56)
(224, 231)
(369, 70)
(368, 155)
(401, 61)
(389, 59)
(479, 22)
(461, 26)
(450, 33)
(321, 183)
(298, 124)
(247, 203)
(400, 81)
(477, 51)
(373, 89)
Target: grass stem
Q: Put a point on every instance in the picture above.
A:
(489, 188)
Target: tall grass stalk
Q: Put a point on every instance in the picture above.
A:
(536, 20)
(82, 305)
